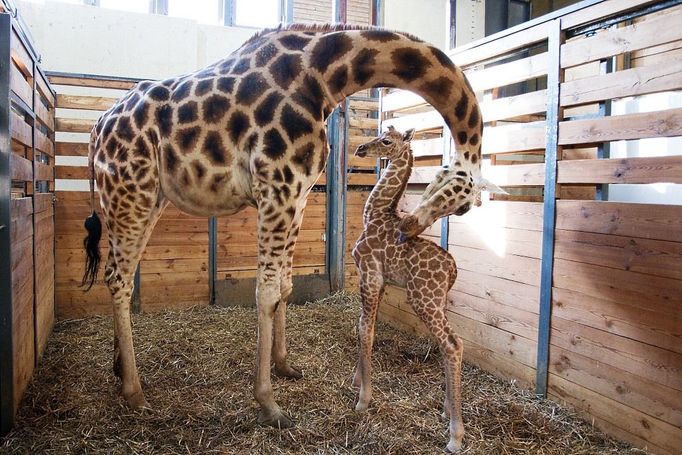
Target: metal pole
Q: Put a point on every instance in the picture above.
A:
(212, 262)
(6, 342)
(554, 76)
(445, 221)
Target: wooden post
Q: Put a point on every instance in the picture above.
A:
(554, 76)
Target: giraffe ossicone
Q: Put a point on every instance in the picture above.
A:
(248, 130)
(424, 269)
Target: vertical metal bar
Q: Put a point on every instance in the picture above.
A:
(549, 215)
(445, 221)
(136, 300)
(604, 149)
(340, 11)
(6, 342)
(212, 261)
(336, 182)
(287, 11)
(452, 38)
(377, 13)
(336, 200)
(229, 12)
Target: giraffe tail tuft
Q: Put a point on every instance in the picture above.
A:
(94, 227)
(91, 244)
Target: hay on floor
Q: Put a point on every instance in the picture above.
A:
(197, 369)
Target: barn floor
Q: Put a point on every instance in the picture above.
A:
(197, 369)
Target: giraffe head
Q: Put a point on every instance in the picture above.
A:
(454, 191)
(391, 144)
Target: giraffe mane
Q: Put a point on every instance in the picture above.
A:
(322, 28)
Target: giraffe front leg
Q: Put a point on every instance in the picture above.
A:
(371, 288)
(279, 347)
(272, 235)
(453, 350)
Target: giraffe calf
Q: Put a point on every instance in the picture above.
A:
(383, 255)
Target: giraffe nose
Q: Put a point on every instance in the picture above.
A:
(361, 151)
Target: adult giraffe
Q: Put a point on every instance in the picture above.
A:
(249, 130)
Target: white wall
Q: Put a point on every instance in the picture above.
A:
(427, 19)
(86, 39)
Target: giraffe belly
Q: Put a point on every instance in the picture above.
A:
(225, 196)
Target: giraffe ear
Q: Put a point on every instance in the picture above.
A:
(487, 185)
(409, 134)
(390, 128)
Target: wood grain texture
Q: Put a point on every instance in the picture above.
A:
(666, 169)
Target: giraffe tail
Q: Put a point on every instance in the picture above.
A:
(94, 227)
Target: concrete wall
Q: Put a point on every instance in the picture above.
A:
(85, 39)
(426, 19)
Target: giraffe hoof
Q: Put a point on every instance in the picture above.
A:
(137, 401)
(361, 407)
(287, 371)
(453, 447)
(276, 420)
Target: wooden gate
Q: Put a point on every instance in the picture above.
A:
(26, 214)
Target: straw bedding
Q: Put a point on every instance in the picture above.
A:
(197, 370)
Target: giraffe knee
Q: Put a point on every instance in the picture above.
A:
(455, 342)
(268, 296)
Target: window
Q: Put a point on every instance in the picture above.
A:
(135, 6)
(202, 11)
(257, 13)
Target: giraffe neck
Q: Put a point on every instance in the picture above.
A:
(389, 189)
(354, 60)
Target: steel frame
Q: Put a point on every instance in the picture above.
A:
(6, 341)
(554, 78)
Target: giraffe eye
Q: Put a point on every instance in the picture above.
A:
(386, 142)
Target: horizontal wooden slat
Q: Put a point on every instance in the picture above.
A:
(21, 131)
(508, 73)
(514, 106)
(43, 172)
(44, 114)
(72, 172)
(20, 56)
(356, 161)
(614, 418)
(44, 90)
(401, 99)
(363, 123)
(659, 30)
(72, 148)
(424, 174)
(620, 84)
(42, 202)
(95, 103)
(651, 221)
(43, 143)
(74, 125)
(500, 46)
(666, 169)
(652, 257)
(516, 175)
(428, 147)
(514, 138)
(665, 123)
(21, 86)
(21, 169)
(421, 121)
(515, 268)
(517, 215)
(91, 82)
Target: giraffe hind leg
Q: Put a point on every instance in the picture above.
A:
(127, 239)
(282, 367)
(432, 313)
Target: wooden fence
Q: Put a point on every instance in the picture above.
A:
(561, 286)
(26, 214)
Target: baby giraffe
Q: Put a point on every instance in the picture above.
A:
(427, 271)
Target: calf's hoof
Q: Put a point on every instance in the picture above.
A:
(453, 447)
(136, 400)
(274, 419)
(361, 407)
(288, 371)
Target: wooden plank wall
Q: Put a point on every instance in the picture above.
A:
(31, 115)
(616, 322)
(615, 349)
(174, 267)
